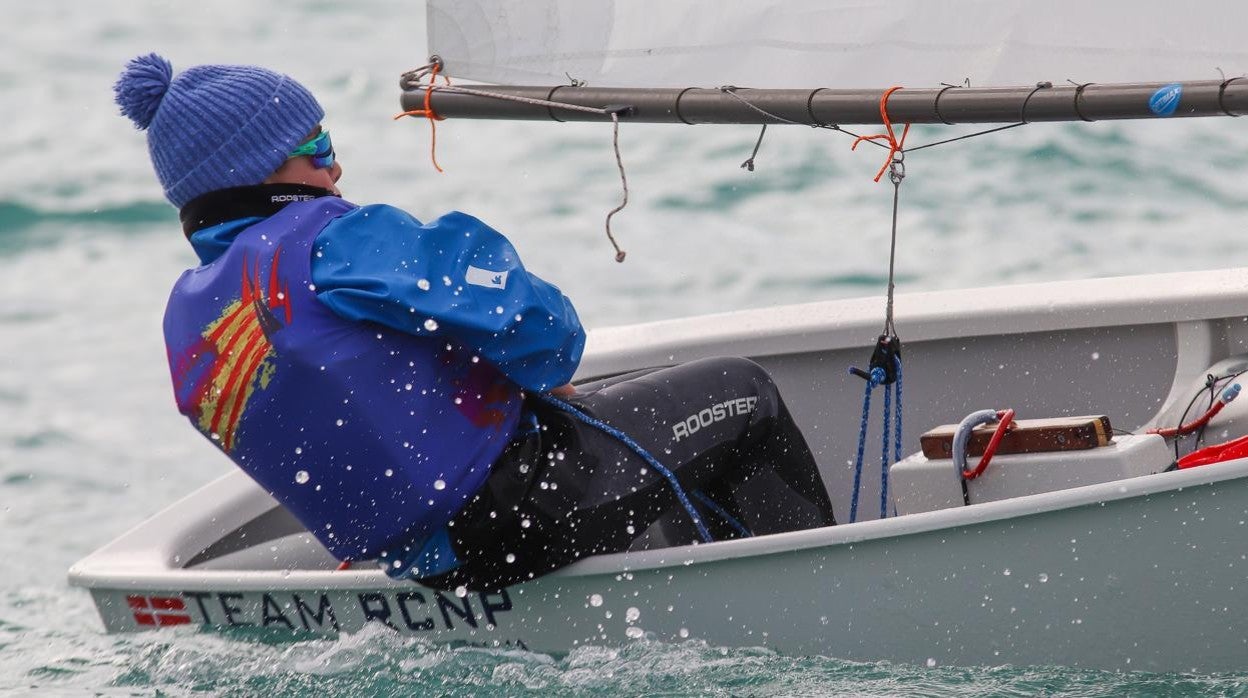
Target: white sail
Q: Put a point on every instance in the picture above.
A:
(836, 43)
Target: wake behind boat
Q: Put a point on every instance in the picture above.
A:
(1100, 553)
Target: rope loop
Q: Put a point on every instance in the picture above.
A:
(895, 145)
(1005, 420)
(433, 69)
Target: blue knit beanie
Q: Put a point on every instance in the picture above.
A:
(214, 126)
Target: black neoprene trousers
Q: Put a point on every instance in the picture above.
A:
(565, 489)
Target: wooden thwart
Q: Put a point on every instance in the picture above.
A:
(1025, 436)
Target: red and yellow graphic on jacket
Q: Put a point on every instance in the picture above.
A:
(232, 359)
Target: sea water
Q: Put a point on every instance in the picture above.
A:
(90, 442)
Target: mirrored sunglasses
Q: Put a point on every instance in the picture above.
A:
(320, 149)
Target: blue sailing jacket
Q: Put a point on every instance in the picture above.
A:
(363, 367)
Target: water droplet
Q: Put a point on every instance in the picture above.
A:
(595, 600)
(431, 325)
(632, 614)
(422, 284)
(1043, 578)
(684, 632)
(525, 523)
(510, 557)
(1006, 572)
(1096, 355)
(302, 477)
(298, 450)
(339, 422)
(461, 591)
(389, 472)
(931, 662)
(634, 632)
(439, 485)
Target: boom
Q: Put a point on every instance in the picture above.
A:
(824, 106)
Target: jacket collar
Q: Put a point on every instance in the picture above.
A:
(256, 201)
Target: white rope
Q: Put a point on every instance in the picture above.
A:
(615, 139)
(524, 100)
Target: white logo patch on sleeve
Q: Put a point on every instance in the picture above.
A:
(484, 277)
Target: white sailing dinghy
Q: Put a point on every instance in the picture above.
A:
(1080, 544)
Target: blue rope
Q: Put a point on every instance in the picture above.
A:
(897, 456)
(636, 448)
(897, 446)
(877, 377)
(723, 513)
(888, 432)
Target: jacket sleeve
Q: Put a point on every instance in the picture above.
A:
(454, 278)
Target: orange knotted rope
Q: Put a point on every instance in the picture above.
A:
(894, 146)
(430, 114)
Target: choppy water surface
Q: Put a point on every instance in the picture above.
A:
(90, 443)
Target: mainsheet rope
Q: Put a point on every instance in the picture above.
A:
(681, 496)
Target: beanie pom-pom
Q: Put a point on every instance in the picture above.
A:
(141, 86)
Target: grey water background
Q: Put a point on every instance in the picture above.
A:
(90, 442)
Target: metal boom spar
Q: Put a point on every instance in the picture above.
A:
(824, 106)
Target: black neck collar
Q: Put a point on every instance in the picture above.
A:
(260, 200)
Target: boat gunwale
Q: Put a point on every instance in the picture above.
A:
(836, 324)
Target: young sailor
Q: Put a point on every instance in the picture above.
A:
(403, 387)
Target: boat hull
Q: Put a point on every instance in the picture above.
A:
(1143, 574)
